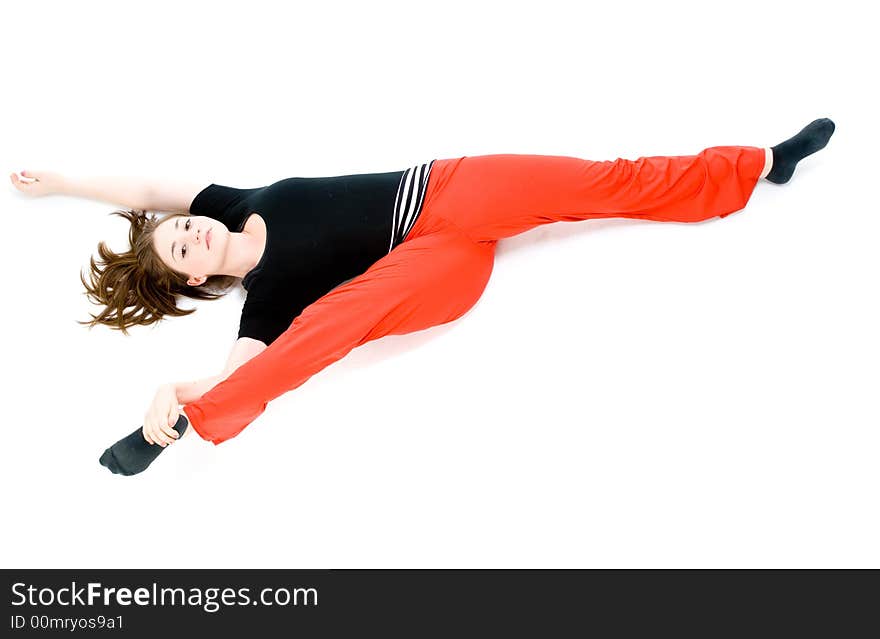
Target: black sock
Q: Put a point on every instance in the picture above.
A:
(787, 154)
(131, 455)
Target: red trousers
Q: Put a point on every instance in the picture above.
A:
(439, 272)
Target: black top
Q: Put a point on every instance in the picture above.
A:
(320, 232)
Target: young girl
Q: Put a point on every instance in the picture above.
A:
(331, 263)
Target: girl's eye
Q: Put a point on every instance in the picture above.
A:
(183, 248)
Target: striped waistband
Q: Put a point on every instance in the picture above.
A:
(409, 200)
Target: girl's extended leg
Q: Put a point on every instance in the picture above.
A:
(496, 196)
(426, 281)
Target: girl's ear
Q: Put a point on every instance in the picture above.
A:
(197, 281)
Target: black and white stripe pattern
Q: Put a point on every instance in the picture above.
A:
(408, 203)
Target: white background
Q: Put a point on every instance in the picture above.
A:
(625, 394)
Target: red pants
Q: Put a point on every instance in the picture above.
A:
(439, 272)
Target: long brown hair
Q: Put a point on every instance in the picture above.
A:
(136, 287)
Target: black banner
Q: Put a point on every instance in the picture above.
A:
(413, 602)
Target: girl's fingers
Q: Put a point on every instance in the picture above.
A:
(153, 428)
(25, 186)
(169, 433)
(158, 436)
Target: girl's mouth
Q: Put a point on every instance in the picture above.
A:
(208, 239)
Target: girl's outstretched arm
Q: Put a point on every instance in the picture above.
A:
(131, 192)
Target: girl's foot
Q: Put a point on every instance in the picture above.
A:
(133, 454)
(786, 155)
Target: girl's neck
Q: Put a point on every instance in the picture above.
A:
(244, 252)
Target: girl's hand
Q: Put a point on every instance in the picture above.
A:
(40, 182)
(161, 416)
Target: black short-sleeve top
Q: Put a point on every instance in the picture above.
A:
(320, 232)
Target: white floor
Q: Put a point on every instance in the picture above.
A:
(625, 393)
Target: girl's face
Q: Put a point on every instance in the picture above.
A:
(192, 245)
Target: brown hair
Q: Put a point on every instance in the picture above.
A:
(135, 286)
